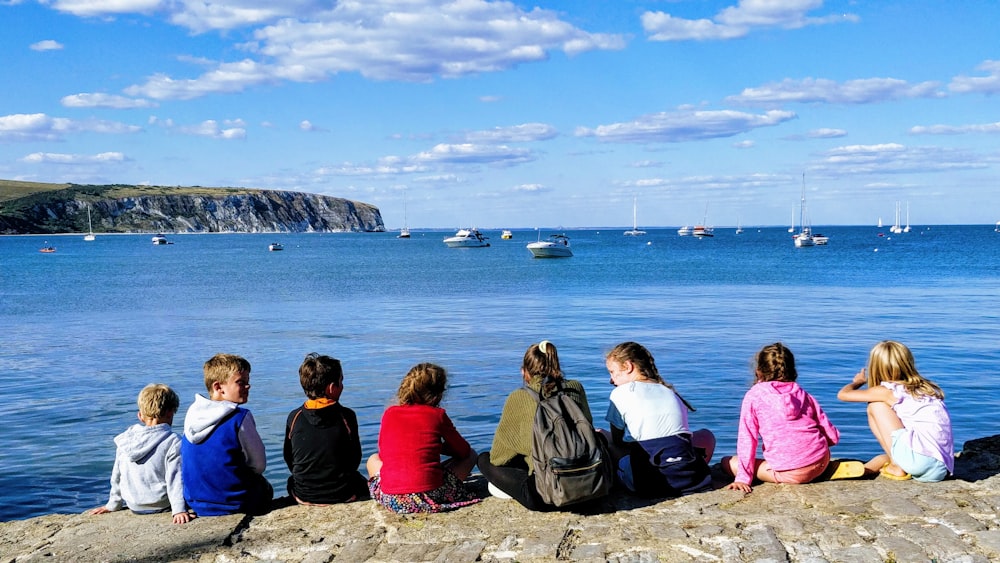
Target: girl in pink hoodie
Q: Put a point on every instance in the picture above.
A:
(795, 432)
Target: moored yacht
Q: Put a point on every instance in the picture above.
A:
(556, 246)
(467, 238)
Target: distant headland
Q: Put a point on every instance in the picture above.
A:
(43, 208)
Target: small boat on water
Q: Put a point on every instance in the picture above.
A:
(506, 234)
(702, 231)
(820, 239)
(47, 249)
(275, 246)
(467, 238)
(635, 232)
(684, 231)
(90, 225)
(556, 246)
(404, 233)
(804, 238)
(159, 239)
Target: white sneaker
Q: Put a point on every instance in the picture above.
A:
(495, 491)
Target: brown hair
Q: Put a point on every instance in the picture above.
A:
(642, 359)
(220, 367)
(156, 400)
(317, 372)
(775, 362)
(892, 361)
(424, 384)
(542, 361)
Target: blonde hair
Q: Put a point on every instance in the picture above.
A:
(775, 362)
(156, 400)
(220, 367)
(642, 359)
(424, 384)
(892, 361)
(542, 361)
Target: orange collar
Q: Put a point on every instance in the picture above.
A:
(322, 402)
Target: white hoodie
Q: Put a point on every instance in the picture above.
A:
(204, 415)
(147, 471)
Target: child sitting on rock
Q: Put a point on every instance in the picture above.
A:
(146, 477)
(322, 447)
(407, 474)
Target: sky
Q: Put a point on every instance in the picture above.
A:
(510, 114)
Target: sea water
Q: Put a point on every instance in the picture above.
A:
(86, 327)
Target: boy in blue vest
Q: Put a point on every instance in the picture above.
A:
(223, 455)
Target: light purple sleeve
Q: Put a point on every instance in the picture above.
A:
(746, 442)
(253, 446)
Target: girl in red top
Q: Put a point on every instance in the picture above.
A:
(407, 474)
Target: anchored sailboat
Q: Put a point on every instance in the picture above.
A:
(90, 226)
(635, 228)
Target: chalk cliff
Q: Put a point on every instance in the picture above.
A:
(142, 209)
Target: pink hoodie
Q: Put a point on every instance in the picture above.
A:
(793, 427)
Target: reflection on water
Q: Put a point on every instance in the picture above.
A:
(90, 325)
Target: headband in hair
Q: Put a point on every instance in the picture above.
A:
(543, 345)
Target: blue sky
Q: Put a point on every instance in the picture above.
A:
(513, 114)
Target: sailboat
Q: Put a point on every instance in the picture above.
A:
(703, 231)
(739, 226)
(906, 229)
(895, 228)
(405, 231)
(635, 228)
(791, 228)
(804, 238)
(90, 226)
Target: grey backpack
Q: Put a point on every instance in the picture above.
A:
(570, 460)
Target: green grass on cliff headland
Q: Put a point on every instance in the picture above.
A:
(12, 191)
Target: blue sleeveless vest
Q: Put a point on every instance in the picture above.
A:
(217, 480)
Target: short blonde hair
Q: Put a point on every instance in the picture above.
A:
(156, 400)
(220, 367)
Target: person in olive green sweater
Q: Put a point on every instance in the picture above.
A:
(507, 466)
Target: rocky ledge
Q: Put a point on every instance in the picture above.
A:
(874, 520)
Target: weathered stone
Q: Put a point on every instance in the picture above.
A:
(866, 520)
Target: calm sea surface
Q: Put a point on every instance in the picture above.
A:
(86, 327)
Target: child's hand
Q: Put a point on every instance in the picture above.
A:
(860, 378)
(99, 510)
(737, 486)
(182, 518)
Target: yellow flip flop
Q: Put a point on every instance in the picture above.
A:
(846, 469)
(904, 477)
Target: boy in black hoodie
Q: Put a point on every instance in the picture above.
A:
(322, 447)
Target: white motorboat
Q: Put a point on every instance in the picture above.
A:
(635, 232)
(506, 234)
(556, 246)
(275, 247)
(467, 238)
(820, 239)
(684, 231)
(702, 231)
(159, 239)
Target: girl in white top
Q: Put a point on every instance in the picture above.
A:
(907, 415)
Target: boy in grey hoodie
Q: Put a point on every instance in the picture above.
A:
(147, 473)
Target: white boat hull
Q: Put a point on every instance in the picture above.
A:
(467, 238)
(549, 250)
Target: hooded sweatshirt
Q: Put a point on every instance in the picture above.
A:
(147, 471)
(794, 429)
(223, 458)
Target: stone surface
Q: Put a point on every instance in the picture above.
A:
(861, 520)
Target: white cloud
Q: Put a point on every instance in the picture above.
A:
(60, 158)
(531, 188)
(955, 129)
(211, 128)
(46, 45)
(23, 127)
(88, 8)
(105, 101)
(468, 153)
(685, 125)
(740, 20)
(514, 134)
(826, 133)
(820, 90)
(310, 127)
(982, 84)
(417, 40)
(743, 145)
(894, 158)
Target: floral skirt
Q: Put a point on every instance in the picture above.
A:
(450, 495)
